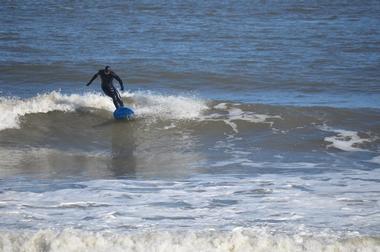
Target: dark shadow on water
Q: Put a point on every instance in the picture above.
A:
(121, 134)
(122, 161)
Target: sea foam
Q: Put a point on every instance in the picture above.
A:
(149, 104)
(346, 140)
(238, 239)
(237, 114)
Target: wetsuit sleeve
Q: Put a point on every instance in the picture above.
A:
(119, 80)
(92, 79)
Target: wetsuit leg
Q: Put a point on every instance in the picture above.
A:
(118, 98)
(114, 94)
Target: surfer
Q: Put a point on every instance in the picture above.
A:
(106, 76)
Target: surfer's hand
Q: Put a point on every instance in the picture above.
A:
(122, 89)
(87, 84)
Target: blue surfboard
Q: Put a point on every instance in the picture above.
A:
(123, 113)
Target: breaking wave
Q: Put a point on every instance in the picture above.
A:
(239, 239)
(333, 128)
(145, 103)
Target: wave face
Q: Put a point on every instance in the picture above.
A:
(188, 129)
(236, 240)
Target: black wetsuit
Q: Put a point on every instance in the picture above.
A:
(108, 87)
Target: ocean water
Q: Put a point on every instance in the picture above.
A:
(257, 126)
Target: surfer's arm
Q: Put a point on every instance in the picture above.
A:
(93, 78)
(119, 80)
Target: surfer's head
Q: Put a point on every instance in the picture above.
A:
(107, 69)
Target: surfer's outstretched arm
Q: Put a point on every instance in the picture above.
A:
(93, 78)
(119, 80)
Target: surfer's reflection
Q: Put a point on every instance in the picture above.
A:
(123, 162)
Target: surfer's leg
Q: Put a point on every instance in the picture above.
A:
(118, 98)
(111, 93)
(115, 102)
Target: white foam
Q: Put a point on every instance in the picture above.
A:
(345, 140)
(220, 106)
(145, 104)
(148, 104)
(238, 240)
(276, 201)
(232, 125)
(171, 126)
(237, 114)
(11, 109)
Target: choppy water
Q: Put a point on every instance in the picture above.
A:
(257, 128)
